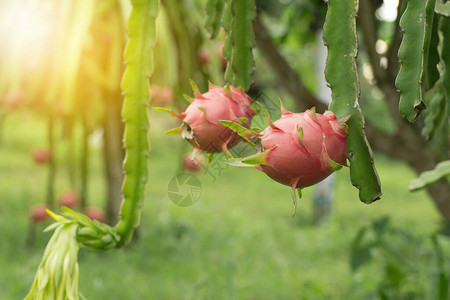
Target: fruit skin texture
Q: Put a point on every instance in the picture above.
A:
(192, 165)
(69, 199)
(301, 157)
(42, 156)
(38, 213)
(200, 126)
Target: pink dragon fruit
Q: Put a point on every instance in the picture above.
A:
(192, 164)
(304, 148)
(299, 149)
(200, 125)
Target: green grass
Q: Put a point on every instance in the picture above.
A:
(238, 242)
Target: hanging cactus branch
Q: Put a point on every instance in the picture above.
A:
(339, 35)
(442, 170)
(240, 41)
(214, 15)
(243, 41)
(416, 23)
(139, 59)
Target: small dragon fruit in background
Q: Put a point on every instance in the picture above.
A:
(38, 213)
(95, 213)
(192, 164)
(299, 149)
(200, 125)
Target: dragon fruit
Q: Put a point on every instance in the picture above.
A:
(200, 125)
(304, 148)
(299, 149)
(192, 164)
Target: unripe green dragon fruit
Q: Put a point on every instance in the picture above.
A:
(200, 125)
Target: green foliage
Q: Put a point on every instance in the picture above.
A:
(375, 108)
(442, 8)
(341, 73)
(184, 22)
(416, 22)
(139, 58)
(436, 122)
(441, 278)
(432, 73)
(395, 251)
(445, 58)
(442, 170)
(227, 47)
(214, 15)
(243, 41)
(240, 41)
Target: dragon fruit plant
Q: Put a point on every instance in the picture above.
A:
(200, 126)
(298, 150)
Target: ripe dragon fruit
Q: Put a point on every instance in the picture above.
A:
(200, 125)
(299, 149)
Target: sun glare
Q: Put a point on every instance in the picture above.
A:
(25, 26)
(388, 11)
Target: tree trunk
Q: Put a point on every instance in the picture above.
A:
(113, 155)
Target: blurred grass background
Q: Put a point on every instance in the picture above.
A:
(238, 242)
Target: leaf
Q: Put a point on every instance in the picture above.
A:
(360, 252)
(427, 178)
(341, 73)
(437, 122)
(416, 23)
(214, 15)
(395, 274)
(243, 42)
(139, 58)
(441, 285)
